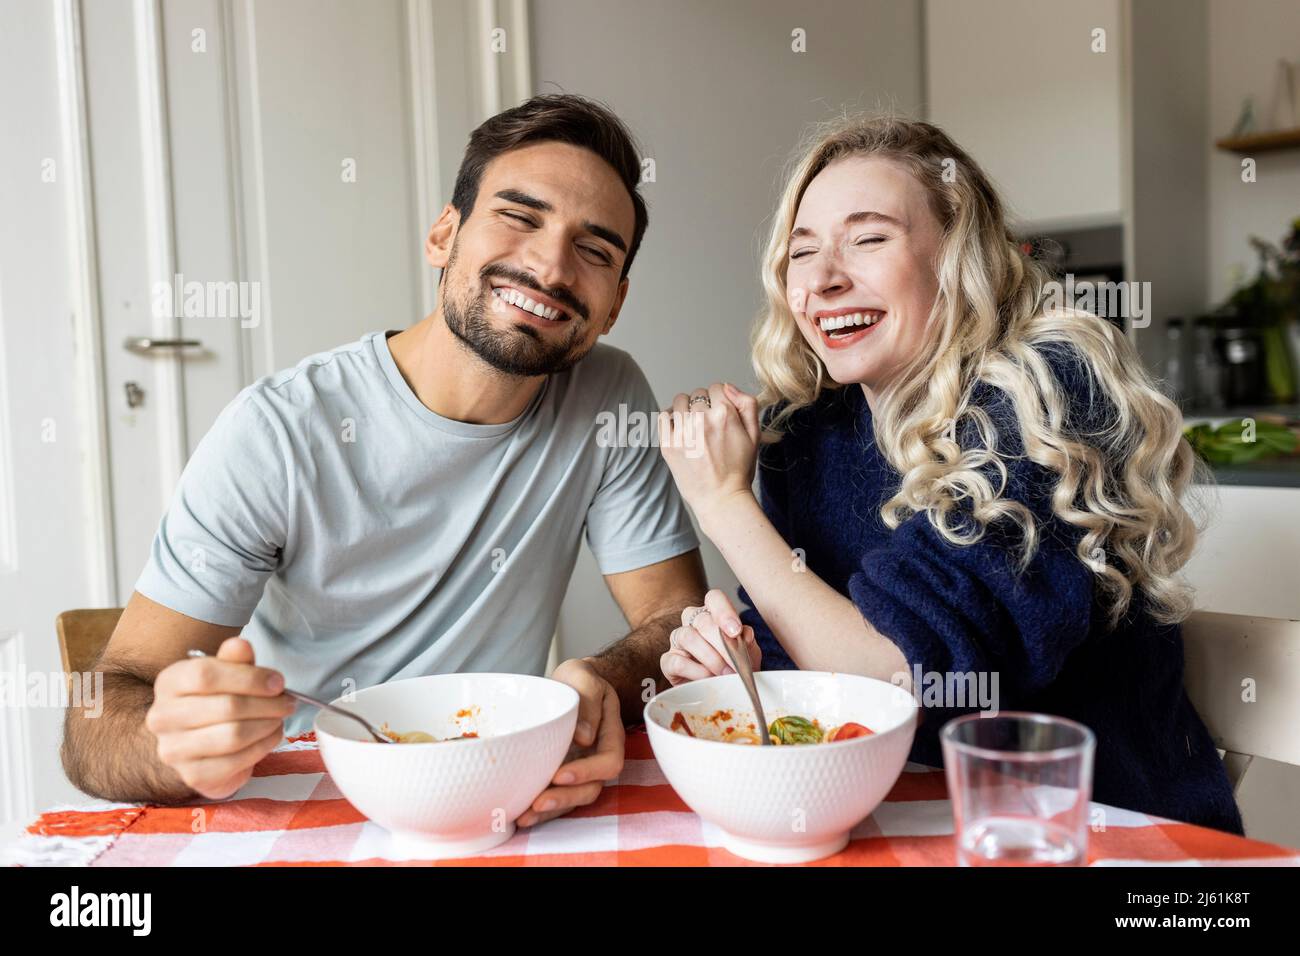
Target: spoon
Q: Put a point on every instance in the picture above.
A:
(740, 662)
(195, 652)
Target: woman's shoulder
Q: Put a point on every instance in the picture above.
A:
(994, 419)
(1087, 402)
(1056, 367)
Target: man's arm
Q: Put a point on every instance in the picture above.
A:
(116, 755)
(113, 755)
(652, 599)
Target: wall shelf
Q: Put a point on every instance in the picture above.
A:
(1262, 142)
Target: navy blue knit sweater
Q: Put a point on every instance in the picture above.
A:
(960, 609)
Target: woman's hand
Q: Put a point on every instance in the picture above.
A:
(697, 650)
(711, 448)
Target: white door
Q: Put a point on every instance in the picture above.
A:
(237, 185)
(245, 163)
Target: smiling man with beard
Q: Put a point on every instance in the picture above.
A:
(414, 503)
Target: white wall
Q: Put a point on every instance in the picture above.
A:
(1017, 85)
(48, 549)
(718, 99)
(1165, 127)
(1247, 37)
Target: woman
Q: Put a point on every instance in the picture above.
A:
(955, 480)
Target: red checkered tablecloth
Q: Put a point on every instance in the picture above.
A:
(291, 814)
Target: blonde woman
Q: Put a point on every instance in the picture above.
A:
(954, 480)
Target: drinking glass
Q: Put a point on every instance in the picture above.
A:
(1020, 785)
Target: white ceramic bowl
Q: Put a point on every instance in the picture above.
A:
(452, 798)
(785, 804)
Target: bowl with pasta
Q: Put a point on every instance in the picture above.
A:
(841, 741)
(473, 751)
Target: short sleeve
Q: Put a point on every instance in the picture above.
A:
(636, 517)
(224, 532)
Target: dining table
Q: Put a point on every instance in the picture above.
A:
(291, 814)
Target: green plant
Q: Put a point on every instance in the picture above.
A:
(1234, 443)
(1272, 299)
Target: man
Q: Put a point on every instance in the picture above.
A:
(412, 503)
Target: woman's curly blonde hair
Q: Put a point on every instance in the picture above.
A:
(1122, 483)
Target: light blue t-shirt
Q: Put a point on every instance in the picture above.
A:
(356, 536)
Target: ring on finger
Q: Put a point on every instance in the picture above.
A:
(699, 398)
(695, 612)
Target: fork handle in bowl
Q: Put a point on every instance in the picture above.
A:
(740, 661)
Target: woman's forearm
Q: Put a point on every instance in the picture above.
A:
(819, 628)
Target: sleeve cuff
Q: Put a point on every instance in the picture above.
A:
(616, 562)
(898, 623)
(192, 605)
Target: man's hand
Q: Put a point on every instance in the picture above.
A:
(215, 717)
(581, 779)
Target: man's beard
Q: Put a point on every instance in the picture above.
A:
(520, 350)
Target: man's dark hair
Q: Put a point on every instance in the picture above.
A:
(560, 118)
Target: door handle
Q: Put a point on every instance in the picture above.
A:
(143, 343)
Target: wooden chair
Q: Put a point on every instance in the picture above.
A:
(1243, 677)
(83, 635)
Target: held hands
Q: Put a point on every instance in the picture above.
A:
(697, 650)
(215, 717)
(597, 751)
(711, 448)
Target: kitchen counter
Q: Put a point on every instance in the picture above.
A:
(1275, 472)
(1269, 473)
